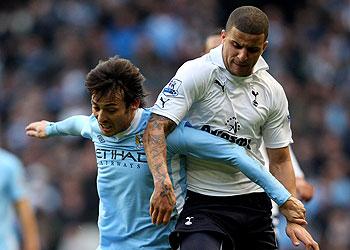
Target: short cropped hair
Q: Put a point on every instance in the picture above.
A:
(116, 74)
(249, 19)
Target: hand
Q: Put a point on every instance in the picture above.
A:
(163, 201)
(298, 234)
(305, 190)
(37, 129)
(294, 211)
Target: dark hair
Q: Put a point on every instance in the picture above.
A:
(116, 74)
(249, 19)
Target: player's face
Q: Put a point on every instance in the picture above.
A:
(241, 51)
(111, 113)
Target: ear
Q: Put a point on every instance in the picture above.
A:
(135, 104)
(265, 45)
(223, 34)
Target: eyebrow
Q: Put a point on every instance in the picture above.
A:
(106, 105)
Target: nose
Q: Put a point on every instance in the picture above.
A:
(100, 116)
(242, 55)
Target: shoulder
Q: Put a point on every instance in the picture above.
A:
(269, 83)
(8, 158)
(200, 67)
(9, 162)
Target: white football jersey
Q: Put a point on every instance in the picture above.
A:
(239, 109)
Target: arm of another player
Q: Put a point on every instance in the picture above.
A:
(281, 167)
(305, 190)
(28, 224)
(189, 141)
(44, 129)
(163, 198)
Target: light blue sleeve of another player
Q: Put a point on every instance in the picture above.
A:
(189, 141)
(73, 125)
(15, 174)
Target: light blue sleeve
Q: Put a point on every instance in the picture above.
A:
(73, 125)
(189, 141)
(17, 179)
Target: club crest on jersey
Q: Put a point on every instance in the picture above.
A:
(172, 88)
(255, 94)
(138, 141)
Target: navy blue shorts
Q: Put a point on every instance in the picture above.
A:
(243, 222)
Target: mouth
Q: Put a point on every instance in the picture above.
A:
(105, 127)
(241, 65)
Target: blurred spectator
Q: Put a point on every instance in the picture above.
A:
(15, 208)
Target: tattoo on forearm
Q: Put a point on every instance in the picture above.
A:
(155, 146)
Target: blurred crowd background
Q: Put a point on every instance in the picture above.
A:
(47, 47)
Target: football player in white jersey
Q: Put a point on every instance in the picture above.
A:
(228, 93)
(305, 190)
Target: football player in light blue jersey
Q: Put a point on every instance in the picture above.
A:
(15, 205)
(124, 181)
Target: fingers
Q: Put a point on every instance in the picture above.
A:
(160, 216)
(161, 208)
(154, 216)
(299, 234)
(37, 129)
(307, 240)
(167, 217)
(293, 238)
(151, 209)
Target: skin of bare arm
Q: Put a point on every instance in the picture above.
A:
(163, 198)
(281, 167)
(28, 225)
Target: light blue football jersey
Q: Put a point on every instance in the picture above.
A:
(125, 183)
(11, 190)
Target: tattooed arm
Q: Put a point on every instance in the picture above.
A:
(163, 198)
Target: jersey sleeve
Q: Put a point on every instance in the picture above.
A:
(185, 88)
(189, 141)
(276, 131)
(74, 125)
(17, 180)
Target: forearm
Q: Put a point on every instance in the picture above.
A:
(70, 126)
(163, 198)
(28, 225)
(155, 146)
(155, 149)
(284, 172)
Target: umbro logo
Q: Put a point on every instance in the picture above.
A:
(222, 86)
(188, 222)
(100, 138)
(163, 101)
